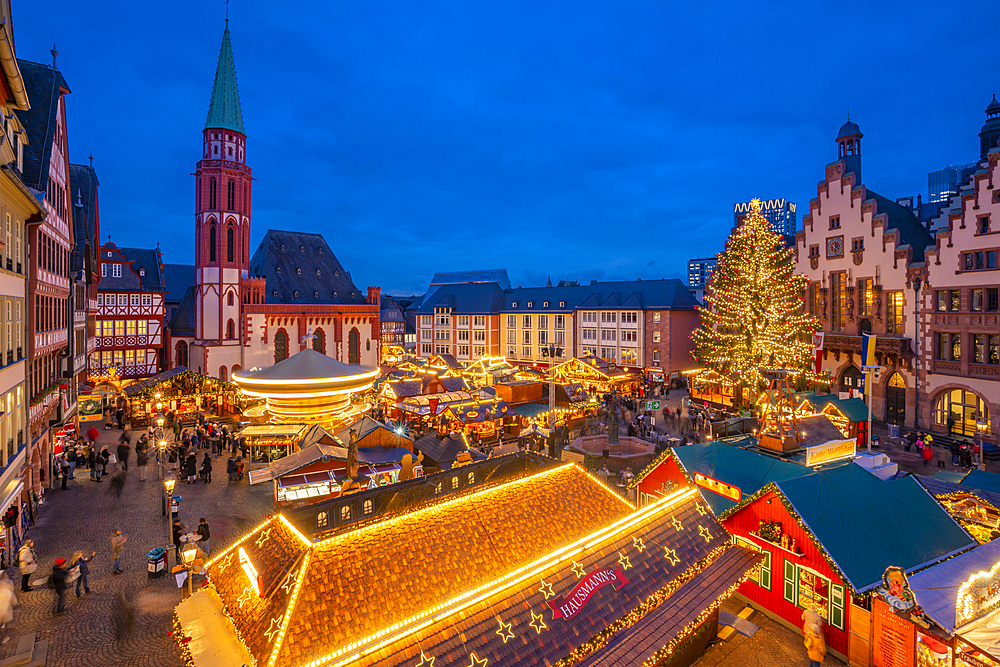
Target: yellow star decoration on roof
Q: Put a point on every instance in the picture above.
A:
(701, 509)
(505, 632)
(426, 660)
(623, 561)
(672, 556)
(273, 628)
(546, 590)
(677, 524)
(226, 562)
(264, 537)
(704, 533)
(578, 570)
(537, 622)
(637, 543)
(289, 583)
(243, 599)
(476, 662)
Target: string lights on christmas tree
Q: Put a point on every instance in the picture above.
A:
(753, 317)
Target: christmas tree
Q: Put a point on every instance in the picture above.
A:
(753, 317)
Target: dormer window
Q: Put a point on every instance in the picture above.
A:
(562, 304)
(277, 269)
(116, 270)
(274, 293)
(531, 304)
(317, 272)
(545, 305)
(142, 273)
(514, 305)
(298, 271)
(315, 294)
(295, 294)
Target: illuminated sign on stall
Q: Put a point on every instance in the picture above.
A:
(715, 486)
(978, 595)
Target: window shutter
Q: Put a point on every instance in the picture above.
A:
(790, 587)
(837, 604)
(765, 570)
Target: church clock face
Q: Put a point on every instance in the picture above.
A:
(835, 246)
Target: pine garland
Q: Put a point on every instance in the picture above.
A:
(754, 316)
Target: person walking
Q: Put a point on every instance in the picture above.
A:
(815, 646)
(78, 561)
(117, 482)
(927, 454)
(123, 451)
(191, 469)
(7, 602)
(141, 460)
(117, 547)
(942, 457)
(59, 575)
(206, 469)
(27, 562)
(204, 536)
(231, 469)
(177, 531)
(71, 459)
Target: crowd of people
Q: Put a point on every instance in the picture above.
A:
(964, 456)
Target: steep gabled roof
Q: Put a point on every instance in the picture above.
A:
(177, 279)
(224, 109)
(468, 298)
(911, 232)
(43, 84)
(301, 268)
(147, 259)
(83, 186)
(182, 323)
(670, 294)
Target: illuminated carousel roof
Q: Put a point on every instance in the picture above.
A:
(307, 365)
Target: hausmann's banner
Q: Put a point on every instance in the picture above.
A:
(570, 606)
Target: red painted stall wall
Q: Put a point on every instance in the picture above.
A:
(747, 520)
(666, 471)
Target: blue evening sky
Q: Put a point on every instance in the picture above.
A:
(582, 140)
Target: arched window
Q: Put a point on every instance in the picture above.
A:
(280, 346)
(212, 188)
(182, 354)
(319, 341)
(235, 369)
(958, 410)
(354, 347)
(211, 243)
(223, 375)
(229, 299)
(229, 244)
(230, 328)
(231, 195)
(850, 379)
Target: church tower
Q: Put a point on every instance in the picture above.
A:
(222, 225)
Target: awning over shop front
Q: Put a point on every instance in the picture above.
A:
(936, 588)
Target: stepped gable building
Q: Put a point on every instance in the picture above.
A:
(862, 253)
(960, 331)
(46, 172)
(253, 310)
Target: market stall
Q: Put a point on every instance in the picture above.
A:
(270, 442)
(596, 375)
(185, 393)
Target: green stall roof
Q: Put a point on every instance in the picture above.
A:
(980, 479)
(866, 524)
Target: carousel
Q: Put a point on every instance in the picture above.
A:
(309, 388)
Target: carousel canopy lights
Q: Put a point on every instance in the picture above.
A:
(308, 386)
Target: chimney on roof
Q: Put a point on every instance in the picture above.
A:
(55, 54)
(593, 282)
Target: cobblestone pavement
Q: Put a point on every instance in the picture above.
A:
(82, 518)
(773, 645)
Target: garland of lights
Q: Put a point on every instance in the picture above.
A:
(753, 316)
(772, 487)
(182, 641)
(634, 616)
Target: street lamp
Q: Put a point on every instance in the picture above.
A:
(916, 284)
(982, 427)
(168, 489)
(189, 553)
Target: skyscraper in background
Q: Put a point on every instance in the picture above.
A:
(943, 183)
(779, 212)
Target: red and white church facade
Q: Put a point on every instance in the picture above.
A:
(251, 310)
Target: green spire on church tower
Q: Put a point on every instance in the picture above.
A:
(224, 110)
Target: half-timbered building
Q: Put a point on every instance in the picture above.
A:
(130, 314)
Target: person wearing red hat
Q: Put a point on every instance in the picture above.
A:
(59, 573)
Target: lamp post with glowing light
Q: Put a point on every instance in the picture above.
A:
(168, 491)
(982, 427)
(189, 553)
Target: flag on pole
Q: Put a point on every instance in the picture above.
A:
(867, 350)
(818, 350)
(866, 383)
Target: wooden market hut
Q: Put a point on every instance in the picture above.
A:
(575, 603)
(373, 433)
(596, 375)
(187, 394)
(827, 534)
